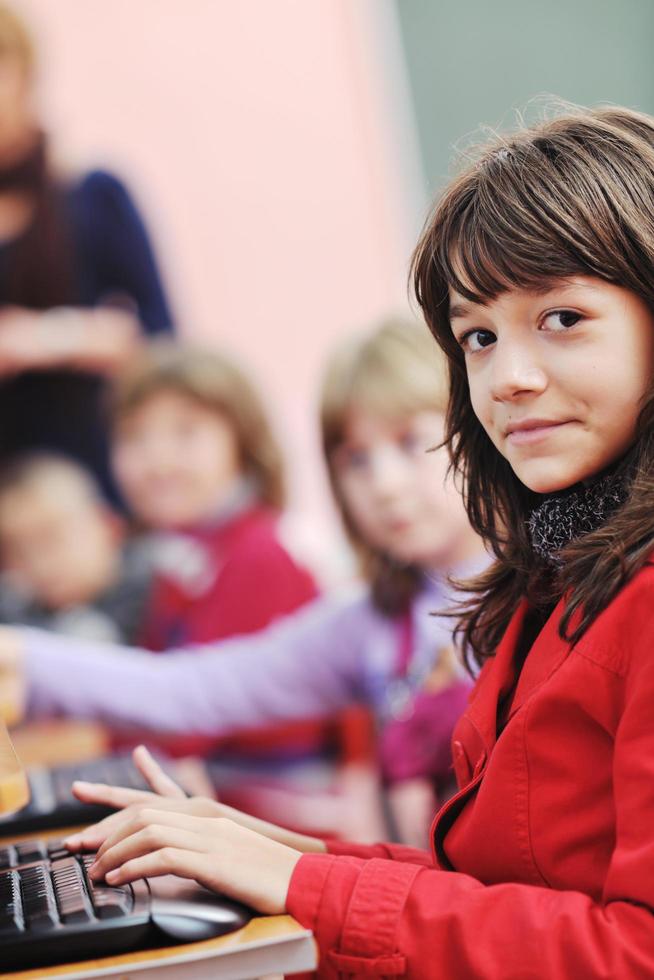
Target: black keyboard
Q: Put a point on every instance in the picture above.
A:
(50, 911)
(52, 803)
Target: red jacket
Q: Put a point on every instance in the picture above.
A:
(231, 578)
(223, 580)
(543, 862)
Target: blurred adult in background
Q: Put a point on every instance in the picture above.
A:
(78, 280)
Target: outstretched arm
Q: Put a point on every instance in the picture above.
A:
(306, 665)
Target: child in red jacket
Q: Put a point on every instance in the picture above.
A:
(535, 273)
(198, 464)
(200, 469)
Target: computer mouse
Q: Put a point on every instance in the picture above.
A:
(202, 915)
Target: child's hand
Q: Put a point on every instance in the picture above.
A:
(166, 794)
(216, 852)
(129, 802)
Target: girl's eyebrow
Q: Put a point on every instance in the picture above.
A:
(459, 310)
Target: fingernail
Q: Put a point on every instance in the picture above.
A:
(112, 875)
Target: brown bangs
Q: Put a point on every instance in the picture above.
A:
(539, 207)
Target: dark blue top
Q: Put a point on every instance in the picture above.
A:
(113, 262)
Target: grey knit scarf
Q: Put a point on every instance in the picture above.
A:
(563, 517)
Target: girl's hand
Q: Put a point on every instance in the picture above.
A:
(216, 852)
(166, 794)
(128, 802)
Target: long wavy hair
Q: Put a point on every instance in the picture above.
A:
(573, 195)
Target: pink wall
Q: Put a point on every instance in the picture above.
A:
(257, 138)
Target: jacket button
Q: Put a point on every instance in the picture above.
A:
(462, 767)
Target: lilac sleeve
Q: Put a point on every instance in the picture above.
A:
(306, 665)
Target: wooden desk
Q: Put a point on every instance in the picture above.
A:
(267, 944)
(274, 944)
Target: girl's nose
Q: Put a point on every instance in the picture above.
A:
(516, 372)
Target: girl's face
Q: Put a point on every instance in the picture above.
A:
(400, 496)
(557, 376)
(175, 460)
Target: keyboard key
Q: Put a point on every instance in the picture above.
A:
(62, 782)
(31, 850)
(112, 903)
(7, 857)
(11, 905)
(39, 903)
(109, 901)
(71, 891)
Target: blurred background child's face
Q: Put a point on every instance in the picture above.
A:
(176, 460)
(60, 546)
(399, 495)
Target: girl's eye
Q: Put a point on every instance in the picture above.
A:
(475, 340)
(560, 320)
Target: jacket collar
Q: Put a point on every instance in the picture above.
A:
(499, 674)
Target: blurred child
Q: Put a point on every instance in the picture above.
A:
(197, 463)
(65, 564)
(195, 458)
(382, 409)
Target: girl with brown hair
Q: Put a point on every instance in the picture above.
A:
(535, 273)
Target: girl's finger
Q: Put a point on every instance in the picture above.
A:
(168, 860)
(143, 817)
(117, 797)
(149, 840)
(91, 838)
(155, 776)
